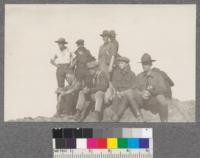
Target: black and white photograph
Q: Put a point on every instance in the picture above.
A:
(100, 63)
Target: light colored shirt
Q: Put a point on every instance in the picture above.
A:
(63, 57)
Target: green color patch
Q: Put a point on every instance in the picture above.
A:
(122, 143)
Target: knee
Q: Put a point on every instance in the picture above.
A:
(81, 93)
(162, 100)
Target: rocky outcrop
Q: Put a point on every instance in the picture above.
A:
(179, 111)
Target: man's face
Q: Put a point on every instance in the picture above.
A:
(79, 45)
(146, 67)
(70, 78)
(61, 46)
(105, 38)
(122, 64)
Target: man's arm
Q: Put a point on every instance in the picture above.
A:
(72, 89)
(52, 61)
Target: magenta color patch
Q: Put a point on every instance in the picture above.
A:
(91, 143)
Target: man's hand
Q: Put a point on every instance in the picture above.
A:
(119, 94)
(110, 69)
(146, 94)
(52, 61)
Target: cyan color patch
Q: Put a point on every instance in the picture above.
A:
(133, 143)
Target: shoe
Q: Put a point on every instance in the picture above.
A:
(77, 116)
(115, 118)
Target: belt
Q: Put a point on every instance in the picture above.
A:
(66, 64)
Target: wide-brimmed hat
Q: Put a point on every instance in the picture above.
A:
(92, 64)
(80, 42)
(61, 40)
(124, 59)
(105, 33)
(146, 59)
(112, 33)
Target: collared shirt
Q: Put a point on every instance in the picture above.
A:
(63, 57)
(156, 82)
(123, 79)
(99, 82)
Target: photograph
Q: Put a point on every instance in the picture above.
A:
(100, 63)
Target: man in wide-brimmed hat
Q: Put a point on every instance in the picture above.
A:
(82, 57)
(123, 79)
(105, 54)
(95, 93)
(61, 61)
(153, 88)
(114, 46)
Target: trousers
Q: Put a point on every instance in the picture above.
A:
(97, 97)
(61, 72)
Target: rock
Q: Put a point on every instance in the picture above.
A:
(179, 111)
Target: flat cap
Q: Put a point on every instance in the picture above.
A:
(80, 42)
(124, 59)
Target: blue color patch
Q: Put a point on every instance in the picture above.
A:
(144, 143)
(133, 143)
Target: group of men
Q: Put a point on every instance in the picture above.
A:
(93, 85)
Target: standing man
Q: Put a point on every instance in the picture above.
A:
(114, 49)
(83, 56)
(153, 89)
(93, 93)
(105, 54)
(61, 61)
(123, 79)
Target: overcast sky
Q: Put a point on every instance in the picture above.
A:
(167, 32)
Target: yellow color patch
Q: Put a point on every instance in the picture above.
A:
(112, 143)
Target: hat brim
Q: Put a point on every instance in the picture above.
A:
(61, 42)
(147, 61)
(126, 61)
(103, 35)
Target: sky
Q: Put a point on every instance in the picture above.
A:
(167, 32)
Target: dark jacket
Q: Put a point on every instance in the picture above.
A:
(99, 82)
(81, 61)
(105, 54)
(114, 47)
(123, 79)
(156, 82)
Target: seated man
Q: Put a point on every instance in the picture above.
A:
(95, 92)
(153, 89)
(122, 80)
(68, 95)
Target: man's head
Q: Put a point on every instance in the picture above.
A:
(61, 43)
(93, 67)
(105, 35)
(146, 62)
(122, 62)
(70, 77)
(80, 43)
(112, 34)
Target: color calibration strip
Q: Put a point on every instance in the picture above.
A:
(103, 143)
